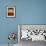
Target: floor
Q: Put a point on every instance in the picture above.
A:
(28, 43)
(34, 43)
(7, 45)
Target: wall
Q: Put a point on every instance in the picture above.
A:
(27, 12)
(7, 25)
(31, 11)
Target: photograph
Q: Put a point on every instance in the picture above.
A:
(11, 12)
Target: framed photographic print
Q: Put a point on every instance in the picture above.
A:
(11, 12)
